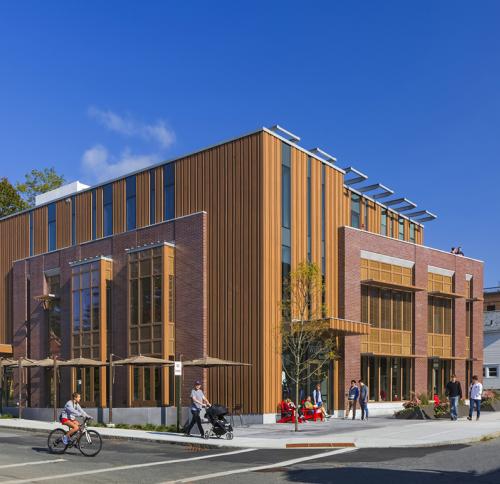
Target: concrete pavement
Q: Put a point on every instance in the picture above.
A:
(378, 432)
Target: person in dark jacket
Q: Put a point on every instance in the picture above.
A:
(454, 394)
(352, 399)
(363, 399)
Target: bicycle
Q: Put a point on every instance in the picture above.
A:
(88, 442)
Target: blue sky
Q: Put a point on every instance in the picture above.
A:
(408, 92)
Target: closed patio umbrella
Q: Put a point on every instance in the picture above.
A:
(141, 360)
(209, 362)
(77, 362)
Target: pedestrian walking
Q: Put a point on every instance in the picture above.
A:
(363, 399)
(475, 394)
(352, 398)
(198, 401)
(454, 394)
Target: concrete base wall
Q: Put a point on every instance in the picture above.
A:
(375, 409)
(140, 415)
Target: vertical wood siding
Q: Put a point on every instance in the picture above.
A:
(224, 181)
(270, 263)
(11, 249)
(83, 217)
(142, 200)
(119, 206)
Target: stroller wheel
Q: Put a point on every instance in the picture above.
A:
(206, 435)
(229, 436)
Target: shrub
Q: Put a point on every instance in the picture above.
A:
(424, 398)
(441, 409)
(405, 412)
(6, 415)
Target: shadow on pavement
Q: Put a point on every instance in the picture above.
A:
(363, 475)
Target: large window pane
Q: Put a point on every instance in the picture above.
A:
(107, 194)
(169, 190)
(130, 185)
(355, 210)
(86, 307)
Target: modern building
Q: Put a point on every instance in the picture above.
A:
(491, 369)
(188, 258)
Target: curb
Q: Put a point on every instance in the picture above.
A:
(187, 443)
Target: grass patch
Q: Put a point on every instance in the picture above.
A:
(6, 415)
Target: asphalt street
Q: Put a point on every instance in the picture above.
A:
(24, 458)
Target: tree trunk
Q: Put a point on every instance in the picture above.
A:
(297, 403)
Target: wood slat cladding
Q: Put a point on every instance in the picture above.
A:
(119, 206)
(270, 260)
(159, 193)
(142, 181)
(224, 181)
(40, 227)
(99, 212)
(11, 249)
(335, 217)
(63, 224)
(83, 217)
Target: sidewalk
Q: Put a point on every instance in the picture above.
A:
(378, 432)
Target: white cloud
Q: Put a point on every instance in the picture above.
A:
(127, 126)
(98, 164)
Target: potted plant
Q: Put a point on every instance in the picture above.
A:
(490, 401)
(411, 409)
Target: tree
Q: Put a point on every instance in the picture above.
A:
(37, 182)
(10, 200)
(305, 331)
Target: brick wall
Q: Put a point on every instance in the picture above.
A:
(352, 242)
(189, 236)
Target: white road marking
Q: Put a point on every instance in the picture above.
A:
(124, 468)
(262, 467)
(7, 466)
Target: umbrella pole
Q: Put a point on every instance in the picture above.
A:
(20, 380)
(110, 398)
(54, 388)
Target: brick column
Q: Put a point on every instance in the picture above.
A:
(420, 361)
(459, 317)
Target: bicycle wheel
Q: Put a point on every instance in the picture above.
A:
(90, 443)
(55, 442)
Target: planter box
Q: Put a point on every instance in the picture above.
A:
(415, 414)
(491, 407)
(428, 410)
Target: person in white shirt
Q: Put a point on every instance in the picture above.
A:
(475, 394)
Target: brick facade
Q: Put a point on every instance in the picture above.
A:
(352, 242)
(189, 234)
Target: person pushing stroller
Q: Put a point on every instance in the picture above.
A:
(198, 401)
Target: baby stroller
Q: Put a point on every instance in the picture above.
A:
(219, 425)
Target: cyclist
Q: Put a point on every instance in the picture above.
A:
(68, 416)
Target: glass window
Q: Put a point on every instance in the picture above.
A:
(146, 299)
(383, 223)
(492, 372)
(152, 197)
(286, 217)
(440, 315)
(169, 190)
(355, 210)
(94, 214)
(401, 232)
(54, 315)
(130, 185)
(412, 232)
(52, 226)
(107, 209)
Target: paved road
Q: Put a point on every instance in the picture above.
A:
(24, 458)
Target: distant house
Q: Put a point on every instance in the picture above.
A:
(491, 368)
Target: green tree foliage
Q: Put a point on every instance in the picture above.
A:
(10, 200)
(308, 344)
(37, 182)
